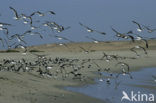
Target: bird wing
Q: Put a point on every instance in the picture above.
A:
(132, 38)
(137, 24)
(146, 42)
(15, 12)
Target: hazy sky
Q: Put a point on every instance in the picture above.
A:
(97, 14)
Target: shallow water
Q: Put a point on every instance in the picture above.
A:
(142, 83)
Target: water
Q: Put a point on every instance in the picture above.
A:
(97, 14)
(142, 82)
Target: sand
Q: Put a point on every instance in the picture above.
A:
(27, 87)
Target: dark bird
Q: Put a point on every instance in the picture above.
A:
(124, 36)
(139, 47)
(9, 45)
(37, 12)
(21, 46)
(94, 40)
(29, 32)
(62, 38)
(91, 30)
(17, 17)
(86, 51)
(149, 30)
(4, 24)
(51, 12)
(26, 17)
(124, 66)
(18, 37)
(140, 38)
(139, 29)
(5, 30)
(154, 77)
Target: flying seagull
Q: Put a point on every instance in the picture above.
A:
(4, 24)
(51, 12)
(26, 17)
(139, 29)
(62, 38)
(149, 30)
(37, 12)
(137, 47)
(29, 32)
(124, 36)
(17, 17)
(94, 40)
(91, 30)
(18, 37)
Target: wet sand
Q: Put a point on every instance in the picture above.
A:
(32, 88)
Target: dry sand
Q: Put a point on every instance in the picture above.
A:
(32, 88)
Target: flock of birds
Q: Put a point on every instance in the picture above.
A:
(51, 67)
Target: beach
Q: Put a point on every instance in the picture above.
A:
(30, 87)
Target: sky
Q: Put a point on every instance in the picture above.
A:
(97, 14)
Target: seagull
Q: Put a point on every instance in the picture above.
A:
(4, 24)
(17, 17)
(19, 38)
(91, 30)
(149, 30)
(21, 46)
(37, 12)
(124, 64)
(6, 30)
(51, 12)
(139, 29)
(9, 46)
(94, 40)
(137, 47)
(140, 38)
(29, 32)
(60, 38)
(154, 77)
(26, 17)
(120, 35)
(124, 72)
(86, 51)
